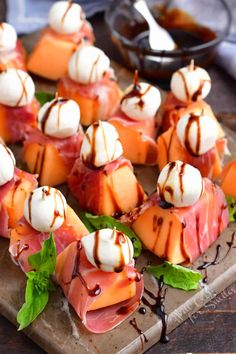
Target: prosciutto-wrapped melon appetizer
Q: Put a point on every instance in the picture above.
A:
(98, 278)
(189, 86)
(184, 217)
(136, 122)
(18, 107)
(102, 180)
(67, 31)
(194, 140)
(51, 150)
(12, 53)
(91, 83)
(45, 210)
(14, 187)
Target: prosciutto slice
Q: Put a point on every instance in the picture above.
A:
(21, 120)
(83, 284)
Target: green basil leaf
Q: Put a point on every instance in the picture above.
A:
(93, 223)
(231, 202)
(33, 306)
(45, 260)
(43, 97)
(176, 276)
(39, 283)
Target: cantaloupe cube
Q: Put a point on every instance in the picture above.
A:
(46, 161)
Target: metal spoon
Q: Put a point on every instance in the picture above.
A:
(159, 38)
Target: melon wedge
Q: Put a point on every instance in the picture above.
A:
(45, 161)
(139, 147)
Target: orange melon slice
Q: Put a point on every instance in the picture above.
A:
(45, 161)
(138, 147)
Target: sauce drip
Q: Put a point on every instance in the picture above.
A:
(158, 307)
(214, 262)
(29, 206)
(76, 273)
(94, 66)
(182, 243)
(58, 101)
(67, 10)
(156, 227)
(16, 185)
(185, 84)
(194, 119)
(162, 190)
(136, 92)
(19, 250)
(90, 160)
(142, 310)
(24, 91)
(134, 324)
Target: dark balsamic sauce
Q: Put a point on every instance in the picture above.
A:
(29, 206)
(158, 307)
(67, 10)
(124, 310)
(136, 91)
(134, 324)
(185, 84)
(142, 310)
(16, 185)
(76, 273)
(215, 260)
(194, 119)
(57, 101)
(24, 91)
(164, 205)
(19, 250)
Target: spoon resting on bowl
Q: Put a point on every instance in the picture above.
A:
(159, 38)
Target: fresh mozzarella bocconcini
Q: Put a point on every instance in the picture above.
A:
(88, 65)
(197, 133)
(190, 83)
(45, 209)
(16, 87)
(180, 184)
(66, 17)
(101, 145)
(59, 118)
(109, 250)
(8, 37)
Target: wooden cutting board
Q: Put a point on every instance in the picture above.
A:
(59, 330)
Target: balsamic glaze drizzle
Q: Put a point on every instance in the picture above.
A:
(76, 273)
(134, 324)
(158, 307)
(217, 259)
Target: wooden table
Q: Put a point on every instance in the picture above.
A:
(213, 328)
